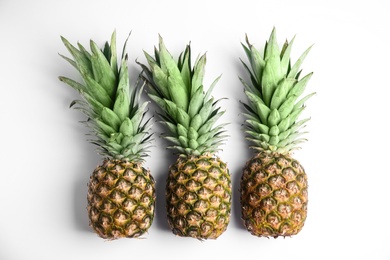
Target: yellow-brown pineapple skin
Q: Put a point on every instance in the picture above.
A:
(198, 197)
(121, 199)
(274, 196)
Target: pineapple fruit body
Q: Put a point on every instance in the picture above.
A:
(273, 189)
(121, 192)
(198, 191)
(273, 195)
(198, 197)
(121, 199)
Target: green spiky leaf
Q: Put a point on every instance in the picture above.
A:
(177, 88)
(273, 89)
(110, 102)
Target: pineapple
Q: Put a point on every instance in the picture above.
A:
(198, 188)
(121, 194)
(273, 187)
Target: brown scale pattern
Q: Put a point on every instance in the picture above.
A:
(198, 197)
(121, 199)
(273, 195)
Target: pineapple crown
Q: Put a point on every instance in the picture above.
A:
(273, 93)
(188, 112)
(115, 115)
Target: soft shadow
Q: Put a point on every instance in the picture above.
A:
(80, 204)
(84, 167)
(242, 145)
(236, 207)
(161, 220)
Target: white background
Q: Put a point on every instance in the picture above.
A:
(46, 160)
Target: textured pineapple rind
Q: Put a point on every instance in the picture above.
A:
(198, 197)
(273, 195)
(121, 199)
